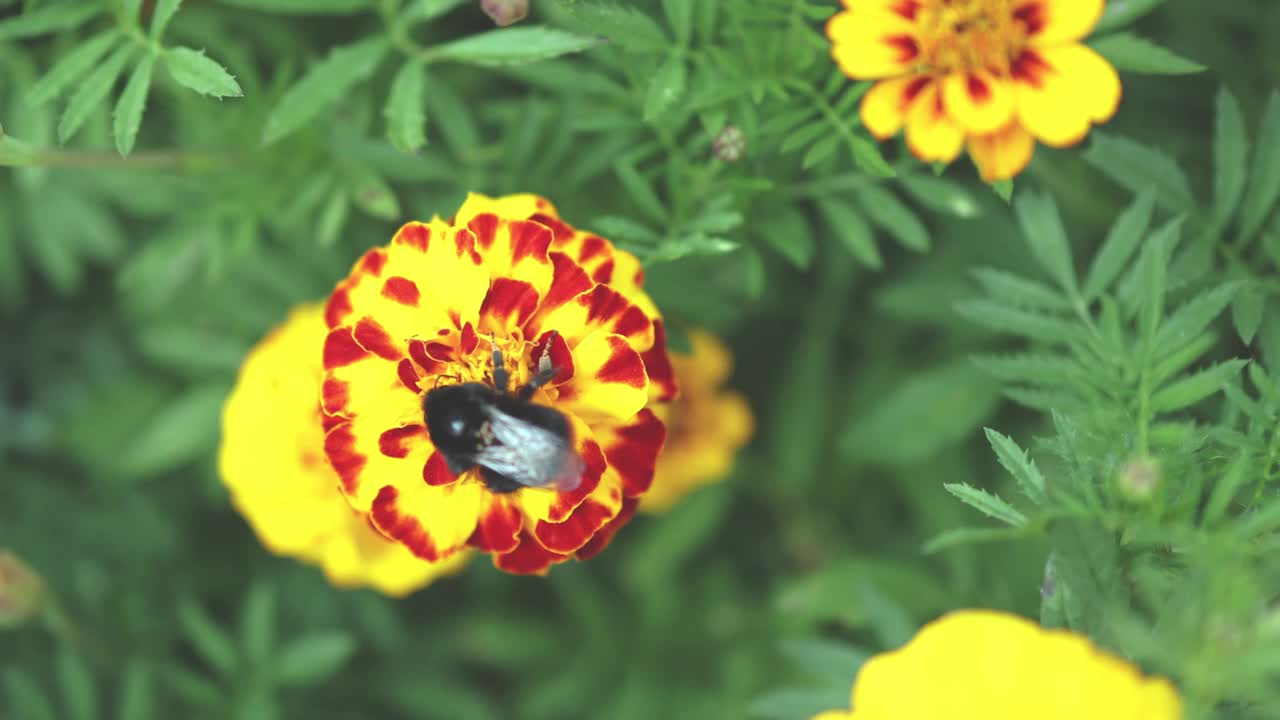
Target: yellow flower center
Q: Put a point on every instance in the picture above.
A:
(971, 35)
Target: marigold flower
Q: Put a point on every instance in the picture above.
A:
(987, 665)
(272, 461)
(706, 425)
(429, 309)
(996, 75)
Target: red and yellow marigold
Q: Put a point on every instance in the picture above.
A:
(992, 75)
(706, 424)
(272, 461)
(430, 308)
(988, 665)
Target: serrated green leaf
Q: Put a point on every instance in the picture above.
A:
(787, 231)
(1246, 312)
(92, 91)
(1193, 389)
(72, 66)
(48, 19)
(853, 230)
(131, 105)
(1132, 53)
(209, 640)
(1151, 286)
(1035, 325)
(162, 15)
(313, 657)
(333, 217)
(323, 85)
(78, 689)
(1042, 228)
(1264, 181)
(1019, 292)
(665, 87)
(1035, 368)
(405, 110)
(1119, 13)
(1122, 240)
(1225, 489)
(194, 70)
(942, 195)
(820, 151)
(869, 158)
(623, 24)
(1193, 317)
(1019, 464)
(970, 536)
(680, 15)
(136, 694)
(1139, 167)
(804, 135)
(182, 431)
(640, 191)
(1230, 154)
(1086, 564)
(513, 46)
(887, 211)
(988, 504)
(373, 196)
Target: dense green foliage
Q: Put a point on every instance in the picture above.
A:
(176, 176)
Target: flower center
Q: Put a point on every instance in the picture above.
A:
(970, 35)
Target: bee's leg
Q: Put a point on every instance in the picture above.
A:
(500, 376)
(545, 373)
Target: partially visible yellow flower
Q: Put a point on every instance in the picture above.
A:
(987, 665)
(272, 460)
(22, 592)
(706, 425)
(995, 75)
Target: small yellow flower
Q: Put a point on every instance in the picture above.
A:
(996, 75)
(987, 665)
(272, 461)
(706, 425)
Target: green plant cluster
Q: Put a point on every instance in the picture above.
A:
(1088, 357)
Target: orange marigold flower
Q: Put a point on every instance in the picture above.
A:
(505, 279)
(987, 665)
(272, 461)
(996, 75)
(706, 425)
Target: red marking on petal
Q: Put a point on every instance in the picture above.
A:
(1034, 16)
(603, 273)
(528, 239)
(561, 357)
(436, 471)
(606, 304)
(906, 8)
(403, 528)
(484, 228)
(338, 307)
(334, 395)
(576, 530)
(905, 45)
(635, 452)
(401, 290)
(604, 535)
(433, 357)
(978, 89)
(467, 344)
(509, 303)
(1029, 68)
(339, 446)
(592, 246)
(657, 364)
(498, 530)
(408, 376)
(415, 235)
(561, 231)
(465, 243)
(914, 88)
(374, 338)
(373, 261)
(593, 467)
(341, 349)
(568, 280)
(397, 442)
(529, 558)
(624, 366)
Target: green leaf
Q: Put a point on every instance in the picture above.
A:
(868, 157)
(72, 66)
(792, 703)
(1015, 291)
(179, 433)
(257, 622)
(1139, 167)
(1225, 489)
(406, 111)
(333, 217)
(1193, 389)
(208, 639)
(988, 504)
(1151, 282)
(1230, 154)
(136, 695)
(78, 689)
(420, 11)
(1122, 240)
(1132, 53)
(48, 19)
(1264, 182)
(323, 85)
(831, 661)
(1188, 321)
(887, 211)
(1004, 189)
(1086, 563)
(1120, 13)
(194, 70)
(680, 15)
(132, 103)
(513, 46)
(1247, 310)
(942, 195)
(621, 23)
(162, 15)
(312, 7)
(1038, 326)
(820, 151)
(91, 92)
(639, 190)
(26, 699)
(1019, 464)
(787, 231)
(1042, 228)
(372, 195)
(854, 232)
(313, 657)
(970, 536)
(665, 87)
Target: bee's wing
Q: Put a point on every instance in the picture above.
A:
(530, 455)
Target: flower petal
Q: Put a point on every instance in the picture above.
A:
(1053, 22)
(931, 134)
(604, 535)
(609, 383)
(632, 450)
(1062, 90)
(553, 506)
(657, 363)
(519, 206)
(601, 309)
(529, 558)
(1002, 154)
(979, 101)
(577, 530)
(884, 107)
(870, 44)
(498, 530)
(433, 522)
(515, 249)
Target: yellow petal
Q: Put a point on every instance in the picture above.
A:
(1061, 91)
(516, 207)
(1003, 154)
(884, 107)
(931, 134)
(979, 101)
(432, 521)
(1053, 22)
(872, 45)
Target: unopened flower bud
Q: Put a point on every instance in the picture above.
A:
(1139, 478)
(730, 143)
(505, 12)
(22, 592)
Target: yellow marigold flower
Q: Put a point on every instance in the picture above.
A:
(429, 310)
(996, 75)
(272, 461)
(987, 665)
(705, 425)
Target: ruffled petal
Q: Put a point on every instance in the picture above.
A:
(884, 107)
(873, 44)
(1061, 91)
(632, 450)
(529, 558)
(540, 504)
(601, 309)
(515, 249)
(979, 101)
(1054, 22)
(932, 135)
(1002, 154)
(605, 535)
(498, 530)
(432, 522)
(657, 363)
(609, 382)
(519, 206)
(592, 514)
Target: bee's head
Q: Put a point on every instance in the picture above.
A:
(455, 415)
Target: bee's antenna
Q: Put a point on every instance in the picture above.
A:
(500, 376)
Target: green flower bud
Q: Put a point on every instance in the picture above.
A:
(505, 12)
(1139, 478)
